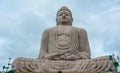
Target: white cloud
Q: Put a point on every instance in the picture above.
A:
(2, 41)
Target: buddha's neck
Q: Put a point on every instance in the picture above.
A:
(64, 25)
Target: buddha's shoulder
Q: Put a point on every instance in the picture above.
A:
(82, 30)
(49, 29)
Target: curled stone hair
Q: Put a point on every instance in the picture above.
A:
(64, 8)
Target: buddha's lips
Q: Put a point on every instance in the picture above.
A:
(64, 21)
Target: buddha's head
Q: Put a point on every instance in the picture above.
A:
(64, 16)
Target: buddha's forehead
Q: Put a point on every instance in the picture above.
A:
(66, 11)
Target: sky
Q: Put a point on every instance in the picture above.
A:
(22, 23)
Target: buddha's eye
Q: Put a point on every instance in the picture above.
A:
(59, 33)
(67, 13)
(60, 14)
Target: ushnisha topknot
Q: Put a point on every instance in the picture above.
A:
(64, 8)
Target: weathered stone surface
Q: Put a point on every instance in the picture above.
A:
(64, 48)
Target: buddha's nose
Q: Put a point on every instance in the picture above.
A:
(64, 16)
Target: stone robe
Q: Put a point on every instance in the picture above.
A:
(68, 50)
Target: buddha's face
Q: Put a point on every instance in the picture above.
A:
(64, 17)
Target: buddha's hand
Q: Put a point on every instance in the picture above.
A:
(50, 56)
(72, 57)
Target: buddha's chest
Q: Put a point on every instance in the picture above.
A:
(64, 35)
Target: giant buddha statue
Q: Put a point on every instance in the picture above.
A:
(64, 48)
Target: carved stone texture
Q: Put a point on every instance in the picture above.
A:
(64, 48)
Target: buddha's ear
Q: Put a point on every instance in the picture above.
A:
(71, 20)
(56, 21)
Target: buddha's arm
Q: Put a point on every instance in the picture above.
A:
(43, 54)
(44, 44)
(84, 49)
